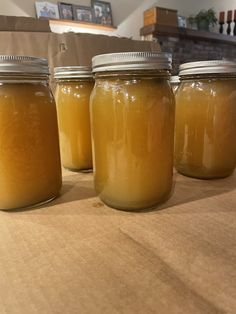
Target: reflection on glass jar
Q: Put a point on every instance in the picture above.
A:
(132, 119)
(30, 170)
(205, 141)
(74, 85)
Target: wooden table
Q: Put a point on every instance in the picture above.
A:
(76, 255)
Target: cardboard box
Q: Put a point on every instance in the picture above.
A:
(161, 16)
(68, 49)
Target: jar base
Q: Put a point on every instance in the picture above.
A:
(137, 209)
(28, 207)
(89, 170)
(204, 177)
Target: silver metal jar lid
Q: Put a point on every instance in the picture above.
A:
(174, 79)
(207, 67)
(23, 65)
(123, 61)
(69, 72)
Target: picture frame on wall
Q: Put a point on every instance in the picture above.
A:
(65, 11)
(102, 13)
(83, 13)
(182, 21)
(46, 10)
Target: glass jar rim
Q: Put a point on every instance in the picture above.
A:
(26, 65)
(123, 61)
(207, 67)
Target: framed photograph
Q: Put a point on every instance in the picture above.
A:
(65, 11)
(46, 10)
(182, 21)
(82, 13)
(101, 12)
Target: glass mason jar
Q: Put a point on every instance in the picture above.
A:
(74, 85)
(174, 82)
(205, 140)
(30, 169)
(132, 118)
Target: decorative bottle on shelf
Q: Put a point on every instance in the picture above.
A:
(234, 32)
(229, 20)
(221, 21)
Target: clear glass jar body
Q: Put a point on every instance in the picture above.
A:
(72, 98)
(30, 169)
(132, 119)
(205, 135)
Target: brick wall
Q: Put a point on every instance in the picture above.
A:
(187, 50)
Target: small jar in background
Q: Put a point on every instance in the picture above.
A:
(30, 169)
(205, 137)
(132, 121)
(74, 85)
(174, 82)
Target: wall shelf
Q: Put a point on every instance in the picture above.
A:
(169, 31)
(83, 25)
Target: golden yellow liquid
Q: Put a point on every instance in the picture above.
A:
(133, 131)
(72, 100)
(30, 170)
(205, 140)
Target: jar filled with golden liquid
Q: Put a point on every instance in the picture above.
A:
(30, 169)
(74, 86)
(205, 140)
(132, 118)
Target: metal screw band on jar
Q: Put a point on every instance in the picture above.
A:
(142, 60)
(207, 67)
(174, 79)
(69, 72)
(23, 64)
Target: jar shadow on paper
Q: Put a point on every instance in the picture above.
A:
(71, 192)
(186, 190)
(73, 189)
